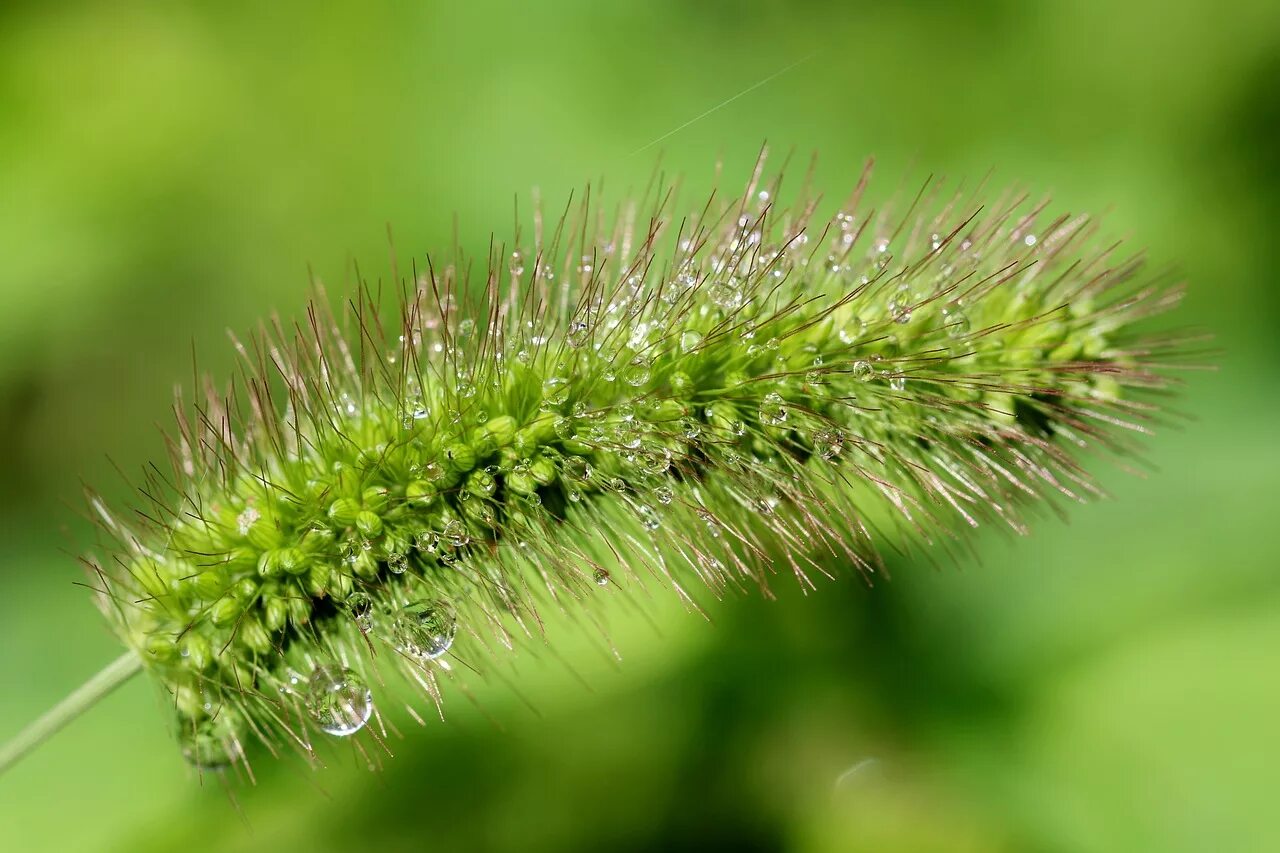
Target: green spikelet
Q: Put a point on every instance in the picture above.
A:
(700, 402)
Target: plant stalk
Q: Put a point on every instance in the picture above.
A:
(82, 699)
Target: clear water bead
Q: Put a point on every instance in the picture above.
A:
(649, 517)
(426, 630)
(577, 334)
(338, 700)
(773, 411)
(829, 443)
(360, 606)
(689, 340)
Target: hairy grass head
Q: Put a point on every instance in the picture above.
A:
(655, 399)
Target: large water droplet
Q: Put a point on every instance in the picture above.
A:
(426, 630)
(338, 700)
(861, 370)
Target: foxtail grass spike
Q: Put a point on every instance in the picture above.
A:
(659, 399)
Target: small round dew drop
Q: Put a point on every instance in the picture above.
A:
(576, 335)
(955, 321)
(829, 443)
(649, 517)
(862, 370)
(637, 372)
(360, 606)
(425, 630)
(338, 700)
(601, 577)
(773, 411)
(689, 340)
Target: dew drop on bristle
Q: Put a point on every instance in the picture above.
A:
(360, 606)
(829, 443)
(649, 517)
(576, 335)
(637, 372)
(455, 533)
(955, 321)
(862, 370)
(601, 577)
(689, 340)
(397, 563)
(338, 700)
(425, 631)
(773, 411)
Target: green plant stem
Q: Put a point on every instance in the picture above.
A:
(82, 699)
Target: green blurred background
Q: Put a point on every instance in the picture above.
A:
(169, 171)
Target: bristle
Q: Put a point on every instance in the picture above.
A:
(636, 401)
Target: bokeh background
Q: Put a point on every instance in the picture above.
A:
(171, 170)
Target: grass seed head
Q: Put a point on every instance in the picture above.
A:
(707, 400)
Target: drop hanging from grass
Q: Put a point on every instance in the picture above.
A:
(338, 700)
(679, 402)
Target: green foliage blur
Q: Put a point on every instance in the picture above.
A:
(171, 170)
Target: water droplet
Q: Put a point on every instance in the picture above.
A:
(955, 321)
(898, 382)
(713, 523)
(773, 411)
(555, 390)
(398, 563)
(414, 413)
(338, 700)
(517, 263)
(601, 577)
(1030, 239)
(629, 434)
(689, 340)
(425, 630)
(861, 370)
(649, 517)
(465, 389)
(577, 334)
(455, 533)
(360, 606)
(637, 372)
(829, 443)
(576, 468)
(664, 494)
